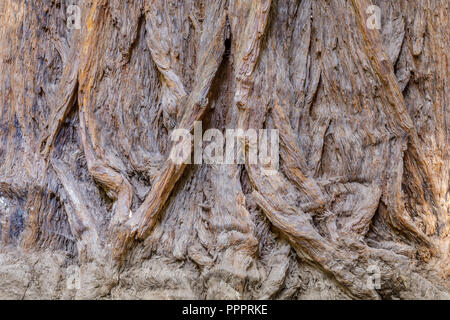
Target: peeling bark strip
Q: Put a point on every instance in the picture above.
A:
(356, 89)
(194, 109)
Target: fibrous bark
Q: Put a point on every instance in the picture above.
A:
(87, 183)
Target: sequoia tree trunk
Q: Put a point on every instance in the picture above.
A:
(93, 206)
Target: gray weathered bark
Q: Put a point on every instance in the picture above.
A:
(87, 188)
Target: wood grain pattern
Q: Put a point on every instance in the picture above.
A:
(85, 175)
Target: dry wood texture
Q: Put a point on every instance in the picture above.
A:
(88, 190)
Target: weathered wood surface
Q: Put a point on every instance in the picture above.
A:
(86, 183)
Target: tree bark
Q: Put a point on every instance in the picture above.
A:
(87, 182)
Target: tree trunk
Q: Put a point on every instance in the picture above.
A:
(92, 204)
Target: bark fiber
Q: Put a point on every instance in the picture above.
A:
(88, 192)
